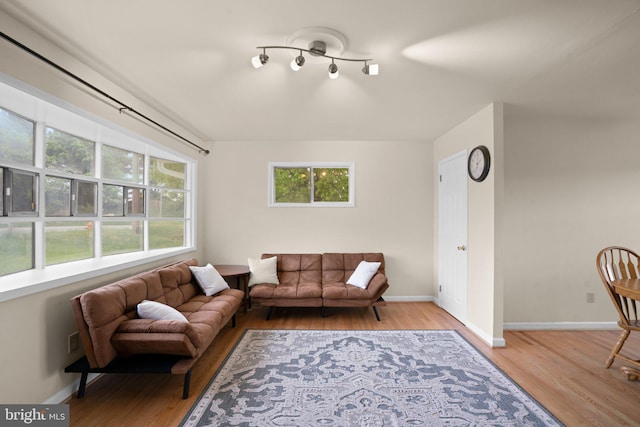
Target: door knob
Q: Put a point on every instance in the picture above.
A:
(461, 248)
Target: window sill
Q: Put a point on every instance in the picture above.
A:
(38, 280)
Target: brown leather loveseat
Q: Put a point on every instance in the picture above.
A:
(116, 340)
(319, 280)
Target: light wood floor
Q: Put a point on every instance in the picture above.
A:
(563, 370)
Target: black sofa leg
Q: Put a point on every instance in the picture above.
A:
(83, 384)
(375, 310)
(187, 384)
(233, 321)
(322, 312)
(269, 312)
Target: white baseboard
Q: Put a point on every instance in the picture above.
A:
(558, 326)
(492, 341)
(69, 390)
(420, 298)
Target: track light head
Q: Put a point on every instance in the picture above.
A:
(370, 69)
(297, 62)
(333, 70)
(259, 60)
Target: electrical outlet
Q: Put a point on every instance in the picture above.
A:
(73, 342)
(591, 297)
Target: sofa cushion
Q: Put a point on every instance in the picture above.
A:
(209, 280)
(298, 268)
(287, 290)
(363, 274)
(343, 291)
(177, 283)
(338, 267)
(206, 316)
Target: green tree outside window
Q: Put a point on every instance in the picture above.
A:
(313, 185)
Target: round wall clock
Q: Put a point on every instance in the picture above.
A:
(479, 163)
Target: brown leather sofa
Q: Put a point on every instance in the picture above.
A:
(115, 340)
(319, 280)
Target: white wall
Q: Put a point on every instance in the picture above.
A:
(571, 188)
(393, 210)
(34, 329)
(484, 296)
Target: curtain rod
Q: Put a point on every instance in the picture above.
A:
(123, 106)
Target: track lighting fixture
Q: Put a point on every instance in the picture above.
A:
(316, 48)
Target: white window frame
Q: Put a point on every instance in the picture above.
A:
(313, 204)
(46, 110)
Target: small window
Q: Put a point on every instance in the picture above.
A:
(311, 184)
(20, 193)
(84, 198)
(16, 138)
(69, 197)
(68, 153)
(135, 201)
(119, 200)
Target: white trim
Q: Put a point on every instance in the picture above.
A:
(558, 326)
(29, 282)
(416, 298)
(69, 390)
(492, 341)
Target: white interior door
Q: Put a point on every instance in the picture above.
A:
(452, 235)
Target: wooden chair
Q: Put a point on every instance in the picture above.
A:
(617, 263)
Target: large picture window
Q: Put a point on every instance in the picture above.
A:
(311, 184)
(102, 204)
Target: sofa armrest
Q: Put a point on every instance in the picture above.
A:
(148, 326)
(378, 284)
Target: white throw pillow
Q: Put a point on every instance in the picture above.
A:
(363, 274)
(158, 311)
(209, 279)
(263, 271)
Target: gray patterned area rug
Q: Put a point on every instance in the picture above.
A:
(362, 378)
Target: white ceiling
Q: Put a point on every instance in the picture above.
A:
(440, 61)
